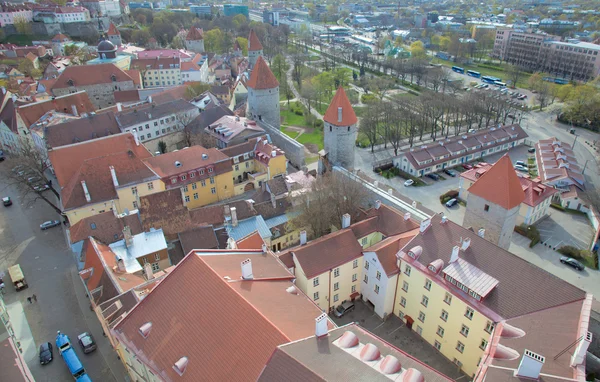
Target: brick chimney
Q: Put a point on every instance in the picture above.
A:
(127, 236)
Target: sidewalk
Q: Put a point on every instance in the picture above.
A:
(22, 331)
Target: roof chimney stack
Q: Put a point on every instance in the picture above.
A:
(481, 232)
(263, 247)
(407, 216)
(231, 244)
(148, 271)
(74, 110)
(119, 106)
(135, 137)
(302, 237)
(579, 356)
(234, 221)
(321, 325)
(465, 243)
(530, 365)
(444, 219)
(121, 265)
(86, 192)
(424, 225)
(127, 236)
(345, 221)
(114, 176)
(454, 255)
(339, 114)
(377, 204)
(247, 269)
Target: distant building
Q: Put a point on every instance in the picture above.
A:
(107, 54)
(201, 10)
(156, 72)
(143, 4)
(233, 9)
(56, 14)
(255, 48)
(263, 94)
(111, 8)
(114, 35)
(61, 41)
(194, 41)
(340, 131)
(229, 130)
(11, 12)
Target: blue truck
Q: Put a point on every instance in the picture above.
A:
(63, 344)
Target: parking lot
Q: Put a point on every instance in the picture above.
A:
(394, 331)
(562, 228)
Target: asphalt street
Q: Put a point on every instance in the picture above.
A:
(50, 270)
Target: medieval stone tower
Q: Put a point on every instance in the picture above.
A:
(493, 203)
(263, 94)
(237, 49)
(340, 131)
(114, 35)
(194, 41)
(255, 48)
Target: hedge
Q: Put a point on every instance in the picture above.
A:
(531, 232)
(589, 258)
(452, 194)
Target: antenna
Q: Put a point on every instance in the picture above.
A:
(568, 347)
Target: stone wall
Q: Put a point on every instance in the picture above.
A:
(339, 142)
(174, 141)
(263, 105)
(497, 221)
(101, 95)
(92, 28)
(294, 151)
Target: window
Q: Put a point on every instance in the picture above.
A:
(469, 313)
(419, 329)
(316, 281)
(248, 166)
(460, 347)
(162, 131)
(363, 241)
(402, 301)
(486, 208)
(183, 177)
(148, 135)
(457, 362)
(203, 182)
(194, 185)
(150, 186)
(134, 190)
(353, 288)
(366, 279)
(483, 344)
(210, 169)
(316, 296)
(448, 298)
(444, 315)
(187, 199)
(336, 272)
(464, 330)
(157, 256)
(155, 267)
(440, 331)
(155, 124)
(437, 345)
(237, 167)
(354, 277)
(201, 171)
(335, 298)
(212, 180)
(366, 265)
(421, 316)
(147, 126)
(185, 189)
(376, 288)
(407, 269)
(425, 301)
(489, 326)
(378, 275)
(213, 190)
(428, 284)
(195, 196)
(405, 286)
(336, 286)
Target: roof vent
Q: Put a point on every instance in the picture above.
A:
(390, 365)
(204, 156)
(369, 353)
(181, 365)
(292, 290)
(415, 252)
(506, 353)
(348, 340)
(455, 251)
(177, 163)
(413, 375)
(145, 329)
(247, 270)
(530, 365)
(444, 219)
(321, 325)
(464, 137)
(481, 232)
(465, 243)
(424, 225)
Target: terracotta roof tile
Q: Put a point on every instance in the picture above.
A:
(387, 249)
(253, 41)
(82, 75)
(500, 185)
(262, 77)
(340, 100)
(155, 63)
(81, 130)
(165, 210)
(97, 275)
(390, 221)
(252, 241)
(112, 30)
(198, 238)
(535, 191)
(136, 77)
(190, 159)
(195, 34)
(105, 227)
(125, 96)
(31, 113)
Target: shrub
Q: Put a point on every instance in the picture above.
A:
(448, 195)
(589, 258)
(557, 206)
(531, 232)
(570, 251)
(298, 112)
(366, 98)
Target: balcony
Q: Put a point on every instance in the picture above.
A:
(253, 177)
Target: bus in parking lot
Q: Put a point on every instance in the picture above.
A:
(490, 79)
(473, 73)
(458, 69)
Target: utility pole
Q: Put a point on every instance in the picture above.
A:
(584, 167)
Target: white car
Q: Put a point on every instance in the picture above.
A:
(521, 168)
(409, 183)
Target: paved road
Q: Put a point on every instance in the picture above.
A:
(50, 270)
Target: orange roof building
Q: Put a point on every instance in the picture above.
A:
(195, 34)
(340, 111)
(262, 77)
(493, 203)
(340, 131)
(112, 30)
(255, 48)
(194, 41)
(263, 97)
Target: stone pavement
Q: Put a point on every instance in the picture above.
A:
(22, 330)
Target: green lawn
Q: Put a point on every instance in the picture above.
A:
(311, 159)
(316, 137)
(484, 72)
(290, 133)
(23, 39)
(292, 119)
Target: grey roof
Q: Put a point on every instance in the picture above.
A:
(207, 117)
(151, 111)
(277, 220)
(248, 226)
(144, 244)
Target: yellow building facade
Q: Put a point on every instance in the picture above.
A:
(208, 191)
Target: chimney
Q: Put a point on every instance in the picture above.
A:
(454, 255)
(273, 153)
(231, 244)
(339, 114)
(321, 325)
(481, 232)
(121, 265)
(376, 184)
(444, 219)
(226, 211)
(74, 110)
(247, 269)
(345, 221)
(530, 365)
(302, 237)
(391, 191)
(119, 106)
(148, 271)
(263, 248)
(86, 192)
(234, 221)
(135, 137)
(377, 204)
(579, 356)
(465, 243)
(424, 225)
(114, 176)
(127, 236)
(407, 216)
(3, 90)
(14, 98)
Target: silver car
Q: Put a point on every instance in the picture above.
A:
(49, 224)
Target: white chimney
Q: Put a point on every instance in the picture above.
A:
(86, 192)
(231, 244)
(127, 236)
(481, 232)
(14, 98)
(247, 269)
(391, 191)
(444, 219)
(148, 271)
(234, 221)
(119, 106)
(414, 204)
(465, 243)
(407, 216)
(377, 204)
(121, 265)
(135, 137)
(149, 99)
(321, 325)
(582, 348)
(302, 237)
(3, 90)
(339, 114)
(264, 248)
(74, 110)
(530, 365)
(424, 225)
(376, 183)
(145, 329)
(345, 221)
(114, 176)
(454, 255)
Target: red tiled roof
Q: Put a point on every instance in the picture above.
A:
(189, 66)
(535, 191)
(387, 249)
(389, 221)
(31, 113)
(105, 227)
(262, 77)
(60, 38)
(500, 185)
(253, 41)
(97, 276)
(340, 100)
(135, 76)
(195, 34)
(190, 158)
(83, 75)
(127, 96)
(252, 241)
(112, 30)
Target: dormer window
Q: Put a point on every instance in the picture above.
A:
(113, 78)
(71, 82)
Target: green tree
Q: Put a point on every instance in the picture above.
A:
(243, 44)
(239, 21)
(162, 147)
(417, 50)
(22, 26)
(445, 43)
(213, 41)
(279, 67)
(141, 37)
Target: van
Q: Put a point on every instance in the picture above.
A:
(343, 308)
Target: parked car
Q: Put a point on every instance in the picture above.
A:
(531, 150)
(6, 201)
(521, 168)
(46, 355)
(451, 203)
(409, 183)
(344, 308)
(520, 163)
(87, 342)
(49, 224)
(450, 172)
(41, 187)
(433, 176)
(467, 166)
(572, 262)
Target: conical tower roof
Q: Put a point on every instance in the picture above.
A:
(253, 41)
(500, 185)
(236, 45)
(112, 30)
(333, 116)
(262, 77)
(194, 34)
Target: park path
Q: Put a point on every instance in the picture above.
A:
(295, 91)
